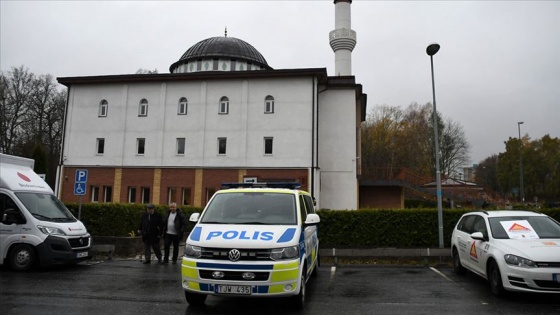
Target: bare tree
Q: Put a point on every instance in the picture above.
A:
(146, 71)
(16, 87)
(396, 138)
(31, 118)
(454, 148)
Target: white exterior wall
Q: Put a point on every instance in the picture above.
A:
(245, 126)
(337, 149)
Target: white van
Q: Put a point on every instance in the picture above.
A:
(252, 240)
(35, 227)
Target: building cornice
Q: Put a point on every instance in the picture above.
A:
(320, 73)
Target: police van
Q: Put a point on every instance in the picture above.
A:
(35, 227)
(253, 240)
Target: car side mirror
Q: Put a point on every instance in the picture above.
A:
(479, 236)
(312, 219)
(194, 217)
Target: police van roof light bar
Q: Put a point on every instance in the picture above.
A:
(288, 185)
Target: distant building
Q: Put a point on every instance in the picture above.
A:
(222, 114)
(469, 173)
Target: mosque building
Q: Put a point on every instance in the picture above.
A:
(221, 114)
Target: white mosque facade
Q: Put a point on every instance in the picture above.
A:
(222, 114)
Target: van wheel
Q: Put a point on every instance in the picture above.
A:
(195, 299)
(317, 264)
(298, 301)
(22, 257)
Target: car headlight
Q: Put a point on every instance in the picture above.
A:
(192, 251)
(519, 261)
(284, 253)
(49, 230)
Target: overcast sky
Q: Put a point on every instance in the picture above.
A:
(499, 62)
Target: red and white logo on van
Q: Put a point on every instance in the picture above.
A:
(25, 178)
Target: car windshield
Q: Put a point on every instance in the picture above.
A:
(524, 227)
(251, 208)
(45, 207)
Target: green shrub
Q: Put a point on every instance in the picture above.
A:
(402, 228)
(115, 219)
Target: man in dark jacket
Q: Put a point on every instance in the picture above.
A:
(173, 228)
(151, 228)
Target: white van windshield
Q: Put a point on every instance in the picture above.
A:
(251, 208)
(45, 207)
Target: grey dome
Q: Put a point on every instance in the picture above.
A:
(222, 48)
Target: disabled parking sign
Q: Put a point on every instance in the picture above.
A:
(80, 189)
(80, 183)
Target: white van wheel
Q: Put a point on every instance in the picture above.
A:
(195, 299)
(298, 301)
(22, 257)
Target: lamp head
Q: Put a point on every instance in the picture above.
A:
(432, 49)
(520, 122)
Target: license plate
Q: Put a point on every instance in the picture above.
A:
(556, 277)
(232, 289)
(82, 254)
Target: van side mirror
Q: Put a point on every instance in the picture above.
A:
(312, 219)
(12, 216)
(194, 217)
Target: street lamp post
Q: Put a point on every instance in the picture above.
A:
(519, 123)
(431, 50)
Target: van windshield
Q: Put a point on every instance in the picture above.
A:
(251, 208)
(45, 207)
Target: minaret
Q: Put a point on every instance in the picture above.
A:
(343, 38)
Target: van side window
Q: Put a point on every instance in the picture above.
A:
(12, 211)
(309, 204)
(303, 208)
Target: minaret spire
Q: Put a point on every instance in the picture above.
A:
(225, 33)
(343, 38)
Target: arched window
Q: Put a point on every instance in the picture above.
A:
(182, 108)
(143, 109)
(224, 105)
(103, 108)
(269, 105)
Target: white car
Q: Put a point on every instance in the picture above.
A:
(513, 250)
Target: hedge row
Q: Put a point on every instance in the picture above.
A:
(406, 228)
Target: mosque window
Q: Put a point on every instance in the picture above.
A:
(103, 108)
(233, 65)
(182, 107)
(224, 106)
(206, 66)
(269, 105)
(222, 145)
(140, 146)
(180, 146)
(100, 146)
(268, 145)
(215, 64)
(143, 109)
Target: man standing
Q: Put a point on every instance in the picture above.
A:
(173, 230)
(151, 228)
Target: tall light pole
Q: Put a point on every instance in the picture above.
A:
(431, 50)
(519, 123)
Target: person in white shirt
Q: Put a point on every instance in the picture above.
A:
(173, 230)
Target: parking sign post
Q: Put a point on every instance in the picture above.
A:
(80, 185)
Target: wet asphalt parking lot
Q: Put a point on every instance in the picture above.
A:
(129, 287)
